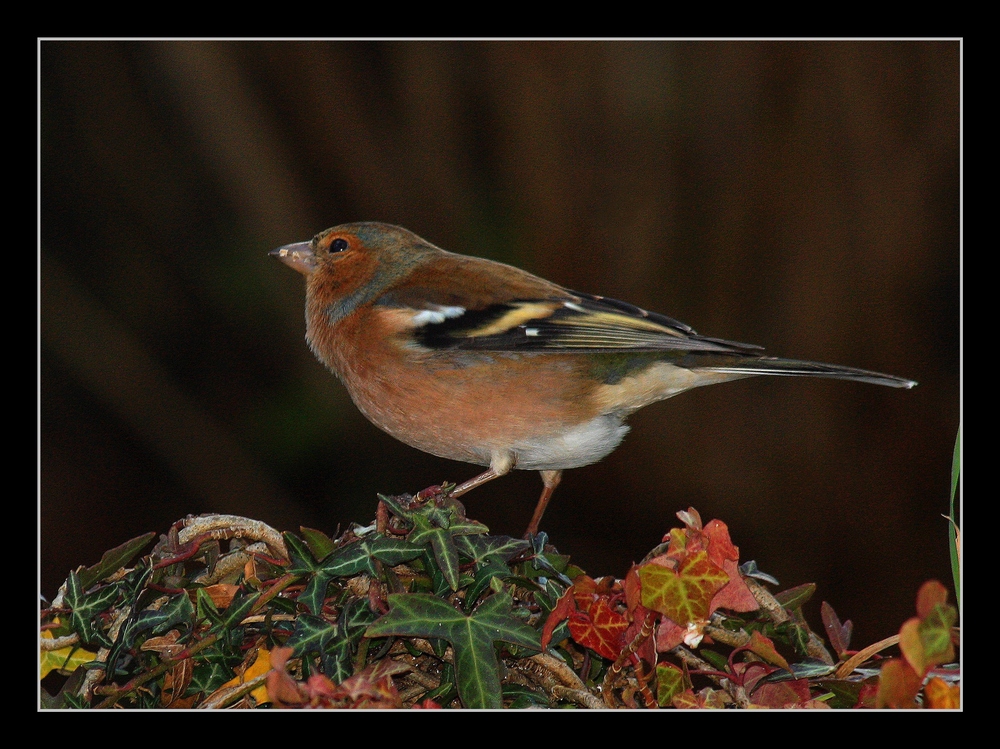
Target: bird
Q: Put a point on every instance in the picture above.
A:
(478, 361)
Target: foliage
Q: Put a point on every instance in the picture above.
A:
(425, 609)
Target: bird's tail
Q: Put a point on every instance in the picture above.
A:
(765, 365)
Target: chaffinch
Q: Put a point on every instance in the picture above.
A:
(481, 362)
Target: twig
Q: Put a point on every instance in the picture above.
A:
(863, 655)
(55, 643)
(233, 526)
(778, 614)
(225, 697)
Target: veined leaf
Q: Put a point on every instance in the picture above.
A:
(472, 638)
(684, 595)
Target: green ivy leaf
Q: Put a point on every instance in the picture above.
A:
(669, 683)
(481, 549)
(794, 634)
(935, 633)
(795, 598)
(313, 595)
(303, 562)
(811, 668)
(114, 559)
(320, 544)
(472, 638)
(441, 540)
(360, 556)
(237, 611)
(86, 608)
(206, 677)
(312, 634)
(206, 608)
(844, 694)
(490, 555)
(178, 610)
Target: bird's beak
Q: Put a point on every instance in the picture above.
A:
(299, 256)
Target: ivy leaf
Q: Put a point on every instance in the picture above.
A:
(492, 568)
(669, 683)
(472, 638)
(178, 610)
(794, 634)
(931, 594)
(237, 611)
(795, 598)
(312, 634)
(898, 685)
(209, 676)
(842, 694)
(490, 555)
(764, 647)
(600, 628)
(206, 608)
(352, 559)
(941, 695)
(442, 542)
(396, 506)
(320, 544)
(86, 608)
(361, 555)
(926, 640)
(480, 549)
(685, 595)
(64, 660)
(302, 561)
(783, 694)
(114, 559)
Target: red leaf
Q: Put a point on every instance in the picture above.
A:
(633, 592)
(563, 608)
(720, 546)
(593, 621)
(764, 647)
(427, 704)
(930, 594)
(838, 634)
(282, 689)
(647, 648)
(781, 694)
(669, 635)
(601, 629)
(735, 596)
(898, 685)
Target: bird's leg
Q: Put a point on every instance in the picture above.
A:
(500, 465)
(551, 480)
(487, 475)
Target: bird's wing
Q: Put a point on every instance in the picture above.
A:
(491, 307)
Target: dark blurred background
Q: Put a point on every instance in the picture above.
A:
(799, 195)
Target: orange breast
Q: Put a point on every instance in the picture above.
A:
(461, 405)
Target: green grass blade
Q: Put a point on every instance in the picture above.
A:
(956, 468)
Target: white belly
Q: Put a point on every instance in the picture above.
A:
(579, 446)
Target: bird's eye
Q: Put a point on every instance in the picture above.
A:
(338, 245)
